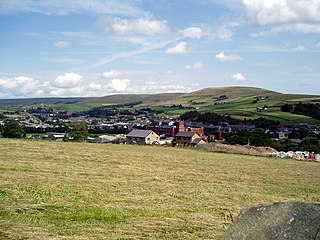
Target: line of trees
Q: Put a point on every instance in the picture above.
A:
(77, 131)
(308, 109)
(258, 137)
(213, 118)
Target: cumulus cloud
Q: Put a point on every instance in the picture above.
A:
(95, 86)
(238, 77)
(156, 87)
(180, 48)
(193, 32)
(195, 66)
(120, 85)
(62, 44)
(68, 80)
(142, 26)
(21, 86)
(302, 15)
(224, 58)
(57, 92)
(113, 74)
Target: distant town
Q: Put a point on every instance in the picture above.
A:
(122, 124)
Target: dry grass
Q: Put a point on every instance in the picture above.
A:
(52, 190)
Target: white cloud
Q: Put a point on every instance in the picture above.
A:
(57, 92)
(299, 48)
(156, 87)
(195, 66)
(224, 58)
(225, 33)
(142, 26)
(238, 77)
(180, 48)
(95, 86)
(120, 85)
(302, 15)
(112, 74)
(68, 80)
(21, 86)
(62, 44)
(193, 32)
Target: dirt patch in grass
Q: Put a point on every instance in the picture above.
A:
(241, 149)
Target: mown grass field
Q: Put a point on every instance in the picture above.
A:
(51, 190)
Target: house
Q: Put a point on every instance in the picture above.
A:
(108, 139)
(188, 139)
(172, 129)
(56, 136)
(166, 130)
(143, 137)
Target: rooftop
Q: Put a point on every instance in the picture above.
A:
(139, 133)
(185, 134)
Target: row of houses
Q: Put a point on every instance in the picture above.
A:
(182, 138)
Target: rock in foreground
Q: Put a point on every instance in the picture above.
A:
(291, 220)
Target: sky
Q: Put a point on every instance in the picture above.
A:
(71, 48)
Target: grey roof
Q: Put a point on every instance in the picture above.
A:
(185, 134)
(108, 137)
(139, 133)
(196, 141)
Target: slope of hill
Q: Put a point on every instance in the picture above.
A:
(239, 102)
(38, 101)
(127, 98)
(51, 190)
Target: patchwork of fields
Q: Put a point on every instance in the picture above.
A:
(51, 190)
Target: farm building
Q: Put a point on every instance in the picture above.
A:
(143, 137)
(188, 139)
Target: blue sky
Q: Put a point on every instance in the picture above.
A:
(101, 47)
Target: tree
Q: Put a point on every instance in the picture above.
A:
(12, 129)
(78, 131)
(286, 108)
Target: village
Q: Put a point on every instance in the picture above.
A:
(118, 125)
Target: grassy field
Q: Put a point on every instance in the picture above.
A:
(52, 190)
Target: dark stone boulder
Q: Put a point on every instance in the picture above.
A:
(283, 220)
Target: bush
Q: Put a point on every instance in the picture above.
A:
(12, 129)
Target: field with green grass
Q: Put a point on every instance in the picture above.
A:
(51, 190)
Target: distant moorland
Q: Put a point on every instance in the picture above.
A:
(239, 102)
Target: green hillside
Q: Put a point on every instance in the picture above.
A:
(38, 101)
(51, 190)
(238, 102)
(148, 99)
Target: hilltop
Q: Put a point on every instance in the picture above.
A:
(96, 191)
(239, 102)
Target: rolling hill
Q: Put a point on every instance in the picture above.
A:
(239, 102)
